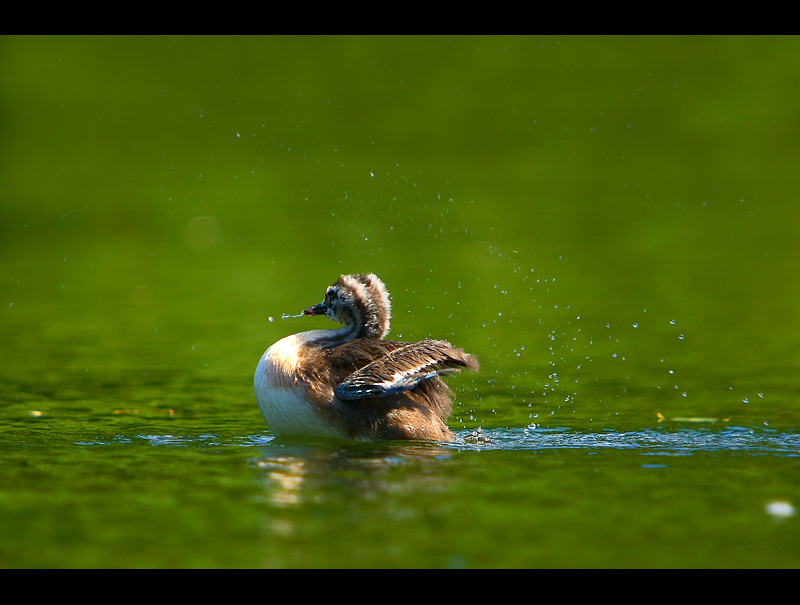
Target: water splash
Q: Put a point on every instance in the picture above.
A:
(684, 442)
(287, 316)
(646, 442)
(780, 509)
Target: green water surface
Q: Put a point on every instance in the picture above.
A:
(610, 224)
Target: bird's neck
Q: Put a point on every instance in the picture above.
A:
(325, 339)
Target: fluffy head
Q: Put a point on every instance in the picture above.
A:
(360, 301)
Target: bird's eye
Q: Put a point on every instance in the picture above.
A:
(330, 297)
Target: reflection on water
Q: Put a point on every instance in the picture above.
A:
(292, 466)
(345, 476)
(298, 503)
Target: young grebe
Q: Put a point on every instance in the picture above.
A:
(349, 382)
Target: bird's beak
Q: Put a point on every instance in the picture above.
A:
(316, 309)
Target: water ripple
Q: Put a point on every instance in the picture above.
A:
(679, 441)
(661, 441)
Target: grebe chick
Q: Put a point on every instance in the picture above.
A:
(349, 382)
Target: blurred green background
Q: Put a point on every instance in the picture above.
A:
(609, 223)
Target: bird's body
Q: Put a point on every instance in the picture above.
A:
(351, 383)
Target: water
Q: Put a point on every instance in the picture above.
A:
(608, 224)
(497, 497)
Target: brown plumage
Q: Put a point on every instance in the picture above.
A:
(350, 382)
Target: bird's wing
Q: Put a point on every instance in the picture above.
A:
(404, 368)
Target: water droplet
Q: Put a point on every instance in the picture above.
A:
(779, 509)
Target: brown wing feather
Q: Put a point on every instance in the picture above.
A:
(402, 367)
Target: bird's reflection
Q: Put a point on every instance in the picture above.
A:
(302, 474)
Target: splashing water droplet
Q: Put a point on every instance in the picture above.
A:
(780, 509)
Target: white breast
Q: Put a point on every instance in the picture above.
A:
(280, 395)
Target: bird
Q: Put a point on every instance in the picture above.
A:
(350, 382)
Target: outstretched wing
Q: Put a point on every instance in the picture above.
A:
(404, 368)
